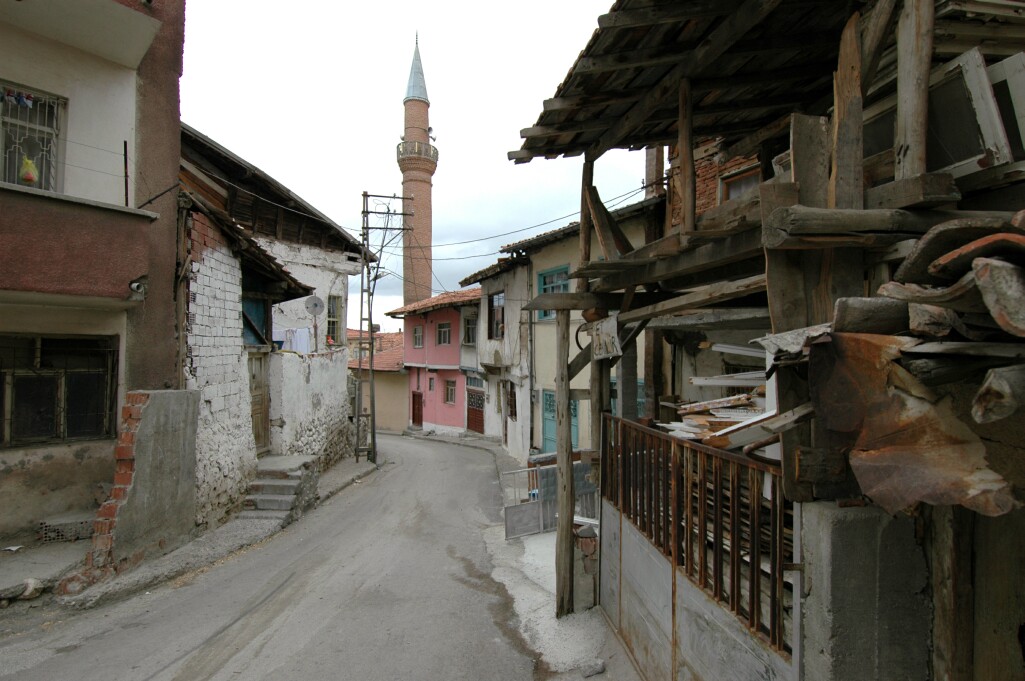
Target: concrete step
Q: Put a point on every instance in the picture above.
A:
(282, 467)
(253, 514)
(269, 502)
(274, 486)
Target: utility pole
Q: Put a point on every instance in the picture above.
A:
(366, 424)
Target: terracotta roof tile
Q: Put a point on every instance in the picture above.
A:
(449, 299)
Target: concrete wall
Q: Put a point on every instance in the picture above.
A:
(391, 398)
(309, 408)
(216, 365)
(158, 511)
(865, 614)
(637, 595)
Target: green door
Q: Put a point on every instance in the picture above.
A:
(548, 421)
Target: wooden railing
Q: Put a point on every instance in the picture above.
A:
(718, 516)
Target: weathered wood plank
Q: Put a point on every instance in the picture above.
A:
(920, 191)
(586, 180)
(704, 296)
(871, 315)
(740, 318)
(564, 564)
(611, 238)
(586, 301)
(846, 179)
(914, 62)
(686, 178)
(877, 27)
(732, 215)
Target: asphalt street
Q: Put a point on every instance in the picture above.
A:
(390, 580)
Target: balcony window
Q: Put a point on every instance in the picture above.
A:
(56, 389)
(496, 316)
(29, 135)
(470, 331)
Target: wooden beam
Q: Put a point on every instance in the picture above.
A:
(741, 318)
(921, 191)
(877, 28)
(846, 178)
(586, 180)
(587, 300)
(729, 31)
(914, 62)
(949, 548)
(686, 179)
(702, 297)
(649, 16)
(613, 241)
(750, 144)
(564, 564)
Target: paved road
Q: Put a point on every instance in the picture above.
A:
(389, 580)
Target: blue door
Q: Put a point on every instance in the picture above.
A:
(548, 421)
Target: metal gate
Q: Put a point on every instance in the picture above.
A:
(530, 498)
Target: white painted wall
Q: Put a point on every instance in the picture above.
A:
(100, 114)
(326, 271)
(217, 366)
(309, 407)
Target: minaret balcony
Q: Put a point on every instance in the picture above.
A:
(416, 150)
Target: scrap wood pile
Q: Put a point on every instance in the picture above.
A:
(963, 287)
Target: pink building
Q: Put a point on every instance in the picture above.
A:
(436, 331)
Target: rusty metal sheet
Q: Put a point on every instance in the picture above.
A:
(909, 447)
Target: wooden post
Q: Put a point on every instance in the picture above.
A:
(626, 385)
(654, 170)
(587, 180)
(564, 471)
(685, 157)
(914, 59)
(654, 377)
(949, 539)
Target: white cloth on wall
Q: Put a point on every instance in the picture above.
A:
(296, 340)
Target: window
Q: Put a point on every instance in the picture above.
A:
(56, 389)
(450, 392)
(418, 336)
(511, 397)
(470, 331)
(30, 125)
(740, 184)
(256, 321)
(496, 316)
(430, 384)
(335, 310)
(552, 281)
(445, 333)
(474, 381)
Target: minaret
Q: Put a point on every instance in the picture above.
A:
(418, 159)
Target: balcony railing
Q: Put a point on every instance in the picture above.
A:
(719, 517)
(421, 149)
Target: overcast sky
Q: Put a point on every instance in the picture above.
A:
(310, 91)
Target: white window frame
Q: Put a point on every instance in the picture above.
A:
(418, 336)
(443, 334)
(53, 169)
(335, 309)
(450, 392)
(470, 330)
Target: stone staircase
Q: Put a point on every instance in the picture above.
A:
(284, 488)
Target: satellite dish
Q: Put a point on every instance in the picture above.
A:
(315, 306)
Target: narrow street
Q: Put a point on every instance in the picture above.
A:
(389, 580)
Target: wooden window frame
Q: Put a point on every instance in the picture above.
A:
(741, 173)
(496, 316)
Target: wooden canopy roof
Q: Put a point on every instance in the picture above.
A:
(749, 63)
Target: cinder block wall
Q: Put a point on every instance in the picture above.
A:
(216, 365)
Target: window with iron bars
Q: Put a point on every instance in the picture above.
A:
(55, 389)
(30, 129)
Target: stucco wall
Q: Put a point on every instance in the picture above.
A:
(391, 399)
(326, 271)
(440, 416)
(216, 365)
(309, 408)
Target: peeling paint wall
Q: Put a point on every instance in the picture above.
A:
(309, 408)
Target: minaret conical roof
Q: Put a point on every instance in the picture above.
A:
(417, 87)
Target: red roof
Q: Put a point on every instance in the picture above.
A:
(387, 356)
(469, 296)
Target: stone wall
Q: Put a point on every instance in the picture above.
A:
(309, 407)
(216, 366)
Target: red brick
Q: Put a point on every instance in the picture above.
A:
(126, 438)
(131, 412)
(124, 466)
(118, 492)
(123, 479)
(102, 542)
(105, 526)
(136, 398)
(108, 509)
(124, 452)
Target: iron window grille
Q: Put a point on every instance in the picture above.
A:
(30, 133)
(55, 389)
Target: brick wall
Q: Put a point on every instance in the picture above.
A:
(709, 169)
(216, 364)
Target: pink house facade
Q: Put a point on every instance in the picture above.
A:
(437, 332)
